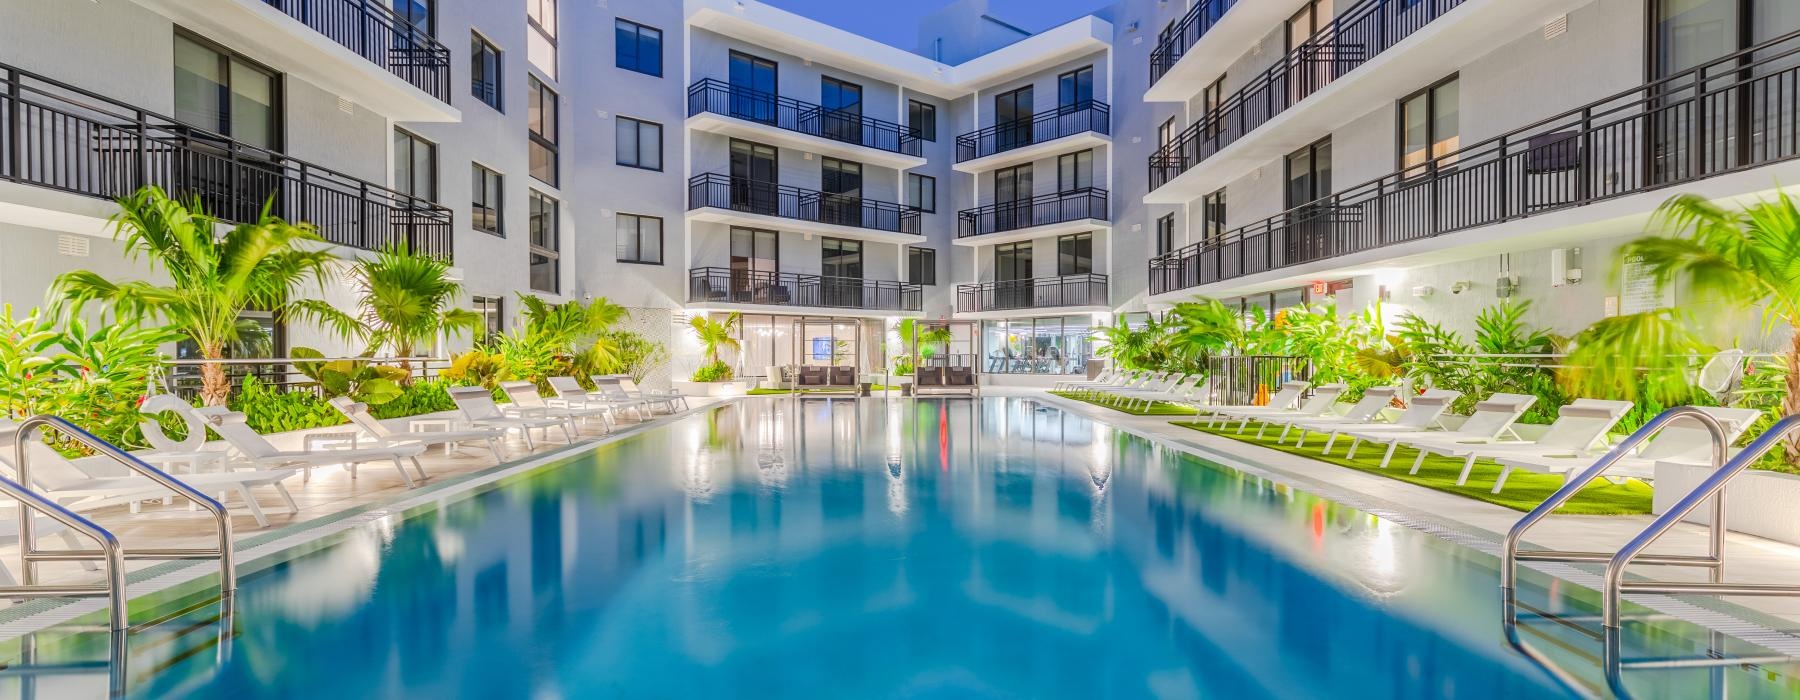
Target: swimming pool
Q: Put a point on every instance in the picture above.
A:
(849, 549)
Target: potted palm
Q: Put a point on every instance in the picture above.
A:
(715, 377)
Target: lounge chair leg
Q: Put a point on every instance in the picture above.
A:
(494, 447)
(420, 468)
(254, 508)
(400, 467)
(1500, 483)
(1468, 464)
(286, 498)
(1260, 428)
(1354, 442)
(1389, 457)
(1299, 441)
(526, 433)
(1284, 433)
(1328, 443)
(1420, 462)
(568, 437)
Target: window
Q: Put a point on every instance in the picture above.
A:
(639, 48)
(414, 12)
(842, 108)
(640, 239)
(755, 252)
(1309, 173)
(1165, 234)
(1212, 216)
(1075, 90)
(1429, 127)
(492, 311)
(540, 44)
(545, 244)
(1075, 171)
(921, 120)
(639, 143)
(1075, 254)
(1165, 134)
(1211, 97)
(484, 71)
(225, 94)
(415, 166)
(542, 122)
(921, 192)
(486, 198)
(1012, 261)
(921, 265)
(1688, 33)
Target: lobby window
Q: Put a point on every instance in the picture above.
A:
(639, 143)
(486, 200)
(1212, 216)
(223, 93)
(540, 43)
(640, 239)
(492, 311)
(921, 192)
(637, 47)
(921, 265)
(921, 120)
(542, 123)
(415, 166)
(545, 246)
(484, 71)
(1165, 234)
(1429, 128)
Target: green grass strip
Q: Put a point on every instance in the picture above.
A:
(1524, 490)
(1160, 408)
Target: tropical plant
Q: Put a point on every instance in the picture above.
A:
(213, 279)
(361, 380)
(405, 299)
(1732, 261)
(476, 368)
(1132, 347)
(415, 399)
(1204, 328)
(268, 409)
(630, 354)
(715, 335)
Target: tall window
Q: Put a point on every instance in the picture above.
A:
(542, 122)
(1165, 134)
(1211, 97)
(921, 265)
(638, 47)
(226, 94)
(1309, 173)
(1075, 171)
(415, 166)
(921, 119)
(1688, 33)
(755, 252)
(484, 213)
(921, 192)
(1075, 254)
(638, 143)
(1429, 127)
(416, 13)
(1212, 216)
(545, 244)
(1165, 234)
(640, 239)
(540, 42)
(493, 316)
(1075, 89)
(484, 71)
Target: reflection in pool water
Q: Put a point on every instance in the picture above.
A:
(781, 548)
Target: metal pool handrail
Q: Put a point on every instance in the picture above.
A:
(1712, 487)
(110, 550)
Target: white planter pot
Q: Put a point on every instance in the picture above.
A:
(734, 387)
(1760, 503)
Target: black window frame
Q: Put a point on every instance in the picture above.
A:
(636, 56)
(638, 231)
(638, 140)
(492, 310)
(1165, 234)
(914, 184)
(1430, 93)
(226, 57)
(1074, 157)
(1065, 259)
(480, 46)
(548, 113)
(414, 141)
(552, 251)
(921, 120)
(478, 186)
(921, 265)
(1214, 207)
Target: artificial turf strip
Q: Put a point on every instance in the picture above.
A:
(1159, 408)
(1524, 490)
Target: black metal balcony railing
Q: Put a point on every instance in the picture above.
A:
(1042, 210)
(767, 198)
(61, 137)
(1340, 47)
(1070, 120)
(725, 285)
(373, 31)
(1180, 37)
(720, 97)
(1040, 293)
(1735, 113)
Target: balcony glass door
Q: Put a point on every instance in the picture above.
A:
(1309, 179)
(841, 265)
(1074, 90)
(753, 88)
(755, 185)
(1312, 59)
(755, 258)
(1012, 197)
(841, 181)
(1743, 125)
(842, 105)
(221, 94)
(1012, 119)
(1012, 275)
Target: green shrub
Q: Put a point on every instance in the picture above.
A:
(270, 410)
(715, 371)
(419, 399)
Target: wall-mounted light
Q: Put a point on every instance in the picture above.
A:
(1461, 287)
(1423, 291)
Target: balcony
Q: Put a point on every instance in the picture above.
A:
(1070, 128)
(1044, 215)
(1184, 34)
(719, 107)
(721, 198)
(63, 138)
(355, 48)
(725, 288)
(1059, 293)
(1707, 126)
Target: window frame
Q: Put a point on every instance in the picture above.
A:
(226, 57)
(414, 141)
(1070, 257)
(534, 134)
(637, 57)
(1214, 207)
(1074, 158)
(921, 120)
(1165, 234)
(914, 191)
(479, 182)
(482, 306)
(498, 79)
(921, 266)
(535, 248)
(638, 231)
(638, 140)
(1432, 162)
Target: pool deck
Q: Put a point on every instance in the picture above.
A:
(1476, 523)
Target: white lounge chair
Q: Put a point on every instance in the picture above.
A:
(253, 448)
(1424, 412)
(1122, 380)
(1374, 400)
(611, 391)
(525, 402)
(569, 392)
(1323, 398)
(359, 416)
(673, 399)
(1284, 399)
(1682, 440)
(1167, 390)
(1157, 383)
(478, 408)
(1579, 428)
(1489, 420)
(1103, 378)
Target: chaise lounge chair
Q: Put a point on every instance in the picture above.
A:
(524, 401)
(1284, 399)
(1682, 440)
(1489, 420)
(1374, 400)
(359, 416)
(1580, 427)
(1425, 412)
(478, 408)
(253, 448)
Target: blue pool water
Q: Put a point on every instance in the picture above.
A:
(875, 549)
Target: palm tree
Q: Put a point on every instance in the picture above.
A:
(716, 335)
(1740, 259)
(213, 279)
(578, 333)
(406, 301)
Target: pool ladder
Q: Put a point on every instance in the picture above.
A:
(1614, 585)
(111, 553)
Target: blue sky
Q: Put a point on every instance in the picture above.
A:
(896, 22)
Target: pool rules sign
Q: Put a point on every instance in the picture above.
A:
(1638, 291)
